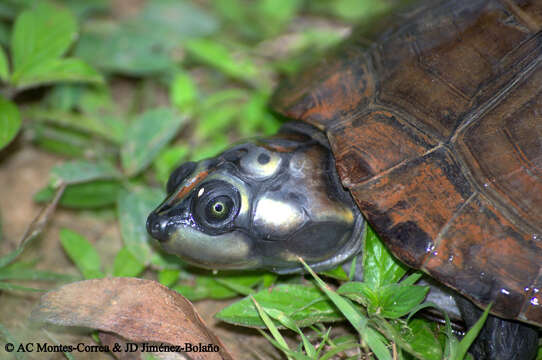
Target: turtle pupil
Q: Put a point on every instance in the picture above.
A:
(219, 208)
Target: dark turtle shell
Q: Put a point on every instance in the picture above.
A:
(437, 132)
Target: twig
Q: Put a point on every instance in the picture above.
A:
(38, 224)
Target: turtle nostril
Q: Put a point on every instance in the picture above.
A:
(157, 227)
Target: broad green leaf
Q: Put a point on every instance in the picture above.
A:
(353, 10)
(146, 136)
(162, 260)
(85, 8)
(169, 159)
(80, 171)
(90, 195)
(175, 20)
(336, 273)
(135, 51)
(168, 277)
(133, 208)
(219, 56)
(224, 285)
(82, 253)
(106, 126)
(306, 305)
(232, 10)
(379, 265)
(276, 13)
(147, 44)
(69, 142)
(39, 35)
(217, 121)
(58, 70)
(4, 65)
(397, 300)
(183, 92)
(10, 121)
(218, 144)
(360, 292)
(126, 264)
(255, 116)
(421, 338)
(63, 97)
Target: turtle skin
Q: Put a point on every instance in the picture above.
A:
(436, 129)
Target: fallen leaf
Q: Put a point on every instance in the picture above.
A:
(141, 311)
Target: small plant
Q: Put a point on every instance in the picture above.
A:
(40, 38)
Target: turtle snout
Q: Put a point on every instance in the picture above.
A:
(157, 227)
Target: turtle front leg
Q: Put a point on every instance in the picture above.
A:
(499, 339)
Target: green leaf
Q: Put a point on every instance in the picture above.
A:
(379, 265)
(146, 136)
(80, 171)
(217, 121)
(361, 293)
(276, 13)
(106, 126)
(127, 264)
(39, 35)
(270, 325)
(168, 160)
(82, 253)
(183, 92)
(8, 258)
(147, 44)
(58, 70)
(224, 285)
(218, 56)
(13, 287)
(397, 300)
(69, 142)
(168, 277)
(4, 32)
(218, 145)
(4, 65)
(354, 10)
(306, 305)
(16, 273)
(355, 317)
(10, 121)
(336, 273)
(90, 195)
(471, 335)
(133, 208)
(421, 338)
(289, 323)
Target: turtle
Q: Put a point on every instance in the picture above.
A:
(432, 134)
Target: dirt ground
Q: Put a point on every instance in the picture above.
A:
(23, 171)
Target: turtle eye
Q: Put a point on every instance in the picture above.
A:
(218, 208)
(216, 205)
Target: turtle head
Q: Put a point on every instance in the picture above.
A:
(260, 204)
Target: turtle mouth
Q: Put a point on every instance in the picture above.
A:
(161, 227)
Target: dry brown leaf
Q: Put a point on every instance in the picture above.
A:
(138, 310)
